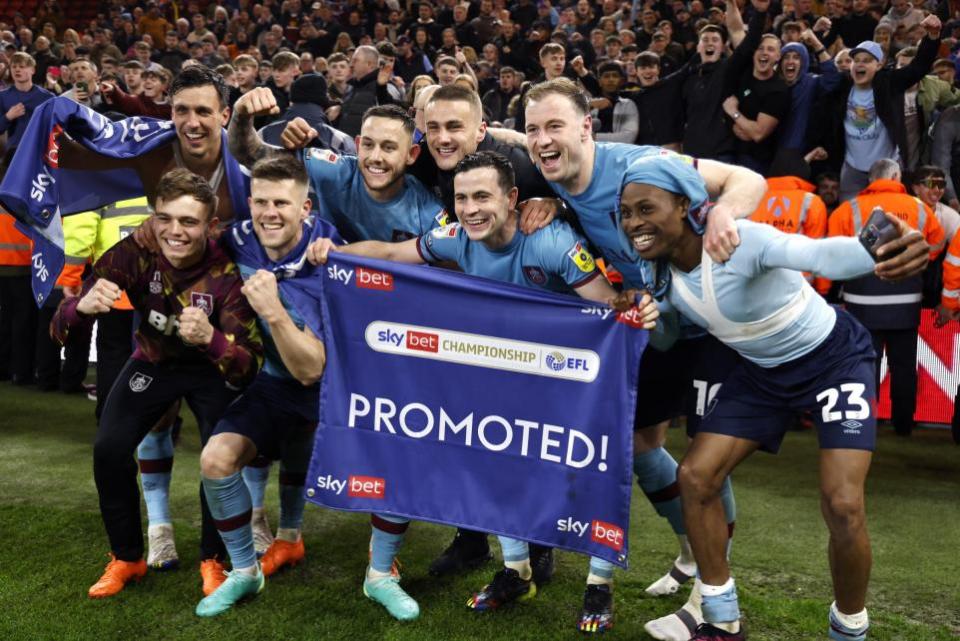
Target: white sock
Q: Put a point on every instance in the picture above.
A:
(253, 570)
(716, 590)
(686, 562)
(856, 621)
(522, 567)
(373, 575)
(288, 534)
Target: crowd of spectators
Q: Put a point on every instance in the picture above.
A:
(819, 91)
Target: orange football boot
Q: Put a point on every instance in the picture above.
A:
(117, 575)
(213, 574)
(281, 553)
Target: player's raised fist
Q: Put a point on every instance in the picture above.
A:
(257, 102)
(262, 294)
(297, 134)
(100, 298)
(195, 327)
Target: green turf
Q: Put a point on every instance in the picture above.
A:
(52, 547)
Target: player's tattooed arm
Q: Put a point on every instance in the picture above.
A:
(244, 141)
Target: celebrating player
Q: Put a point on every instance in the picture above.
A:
(798, 354)
(196, 336)
(587, 175)
(486, 242)
(276, 415)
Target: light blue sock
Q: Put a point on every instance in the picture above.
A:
(291, 498)
(255, 475)
(729, 502)
(155, 455)
(721, 608)
(656, 473)
(514, 550)
(729, 510)
(601, 568)
(230, 507)
(385, 540)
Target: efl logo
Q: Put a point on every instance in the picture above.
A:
(423, 341)
(607, 534)
(373, 279)
(366, 487)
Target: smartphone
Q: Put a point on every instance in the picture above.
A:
(877, 232)
(82, 86)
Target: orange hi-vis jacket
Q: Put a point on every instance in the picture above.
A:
(14, 248)
(950, 296)
(791, 206)
(880, 304)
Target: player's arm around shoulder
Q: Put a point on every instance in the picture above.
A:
(738, 191)
(302, 352)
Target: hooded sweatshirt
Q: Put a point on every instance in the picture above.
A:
(803, 93)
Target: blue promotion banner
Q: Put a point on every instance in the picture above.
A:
(475, 403)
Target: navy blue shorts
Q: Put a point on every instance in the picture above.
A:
(681, 380)
(836, 382)
(270, 410)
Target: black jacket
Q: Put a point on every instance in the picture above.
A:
(889, 85)
(707, 132)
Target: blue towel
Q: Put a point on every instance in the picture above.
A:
(38, 192)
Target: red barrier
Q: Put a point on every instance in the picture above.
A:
(938, 368)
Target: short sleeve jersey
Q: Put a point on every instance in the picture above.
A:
(598, 206)
(553, 258)
(343, 201)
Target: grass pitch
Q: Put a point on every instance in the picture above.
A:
(53, 548)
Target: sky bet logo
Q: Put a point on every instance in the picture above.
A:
(557, 362)
(365, 278)
(600, 531)
(364, 487)
(421, 341)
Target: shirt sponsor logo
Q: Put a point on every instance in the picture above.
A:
(582, 258)
(535, 275)
(443, 218)
(139, 382)
(322, 154)
(366, 487)
(202, 301)
(537, 359)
